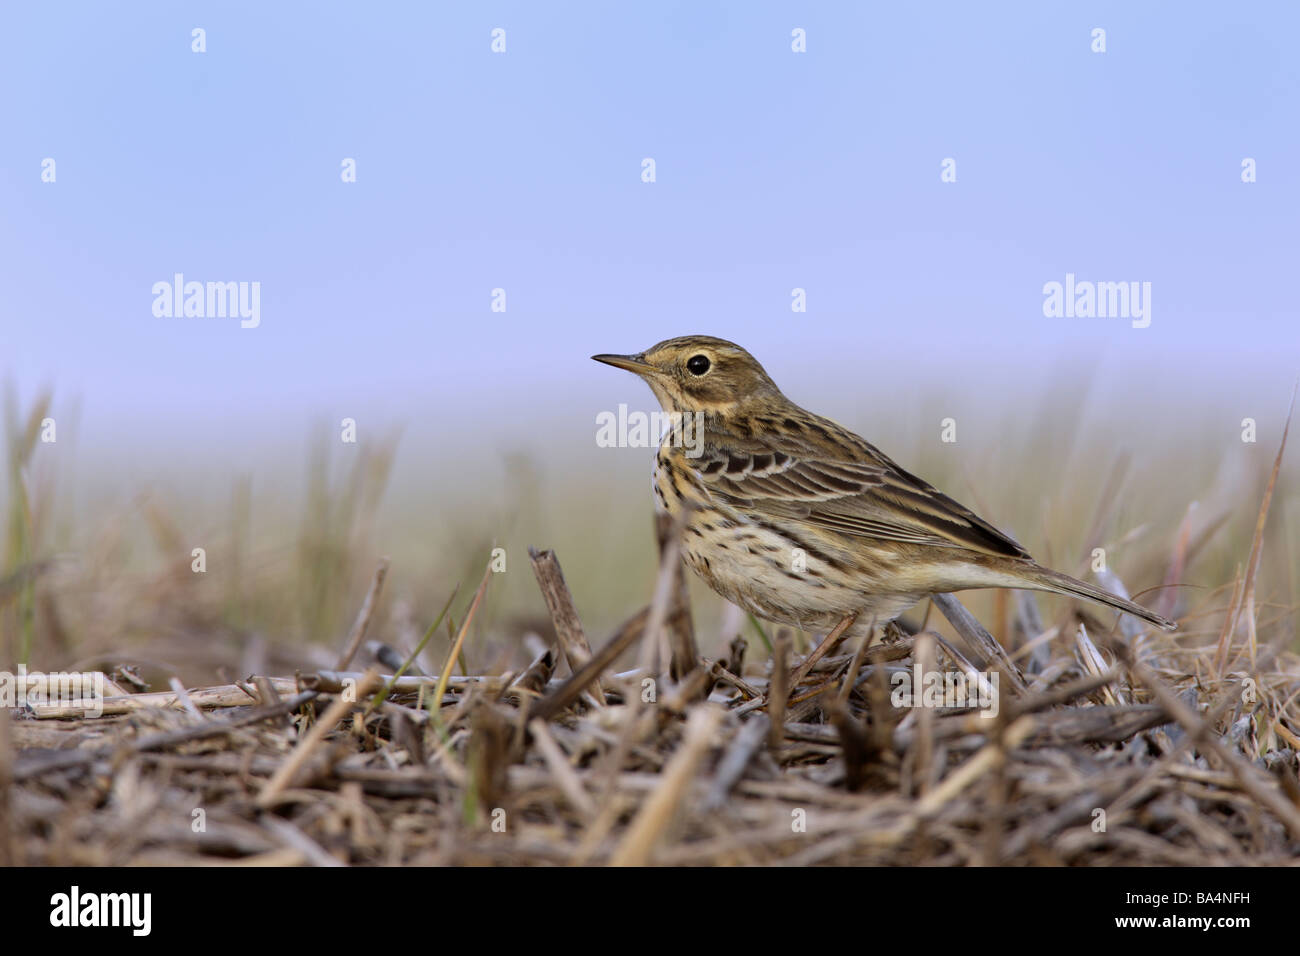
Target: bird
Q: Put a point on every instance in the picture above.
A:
(798, 520)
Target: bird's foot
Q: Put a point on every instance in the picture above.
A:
(892, 633)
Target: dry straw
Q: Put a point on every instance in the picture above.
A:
(1107, 748)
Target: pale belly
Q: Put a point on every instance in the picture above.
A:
(810, 599)
(766, 573)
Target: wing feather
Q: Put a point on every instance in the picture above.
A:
(870, 498)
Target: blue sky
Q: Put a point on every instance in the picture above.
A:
(522, 171)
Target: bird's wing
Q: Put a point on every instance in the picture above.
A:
(870, 498)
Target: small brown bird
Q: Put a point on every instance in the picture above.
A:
(798, 520)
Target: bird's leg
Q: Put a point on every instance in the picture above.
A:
(829, 643)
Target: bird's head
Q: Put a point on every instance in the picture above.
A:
(698, 373)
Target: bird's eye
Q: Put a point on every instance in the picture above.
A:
(697, 364)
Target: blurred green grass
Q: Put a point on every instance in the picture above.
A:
(292, 535)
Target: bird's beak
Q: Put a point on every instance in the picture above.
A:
(632, 363)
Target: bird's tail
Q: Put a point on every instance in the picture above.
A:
(1050, 580)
